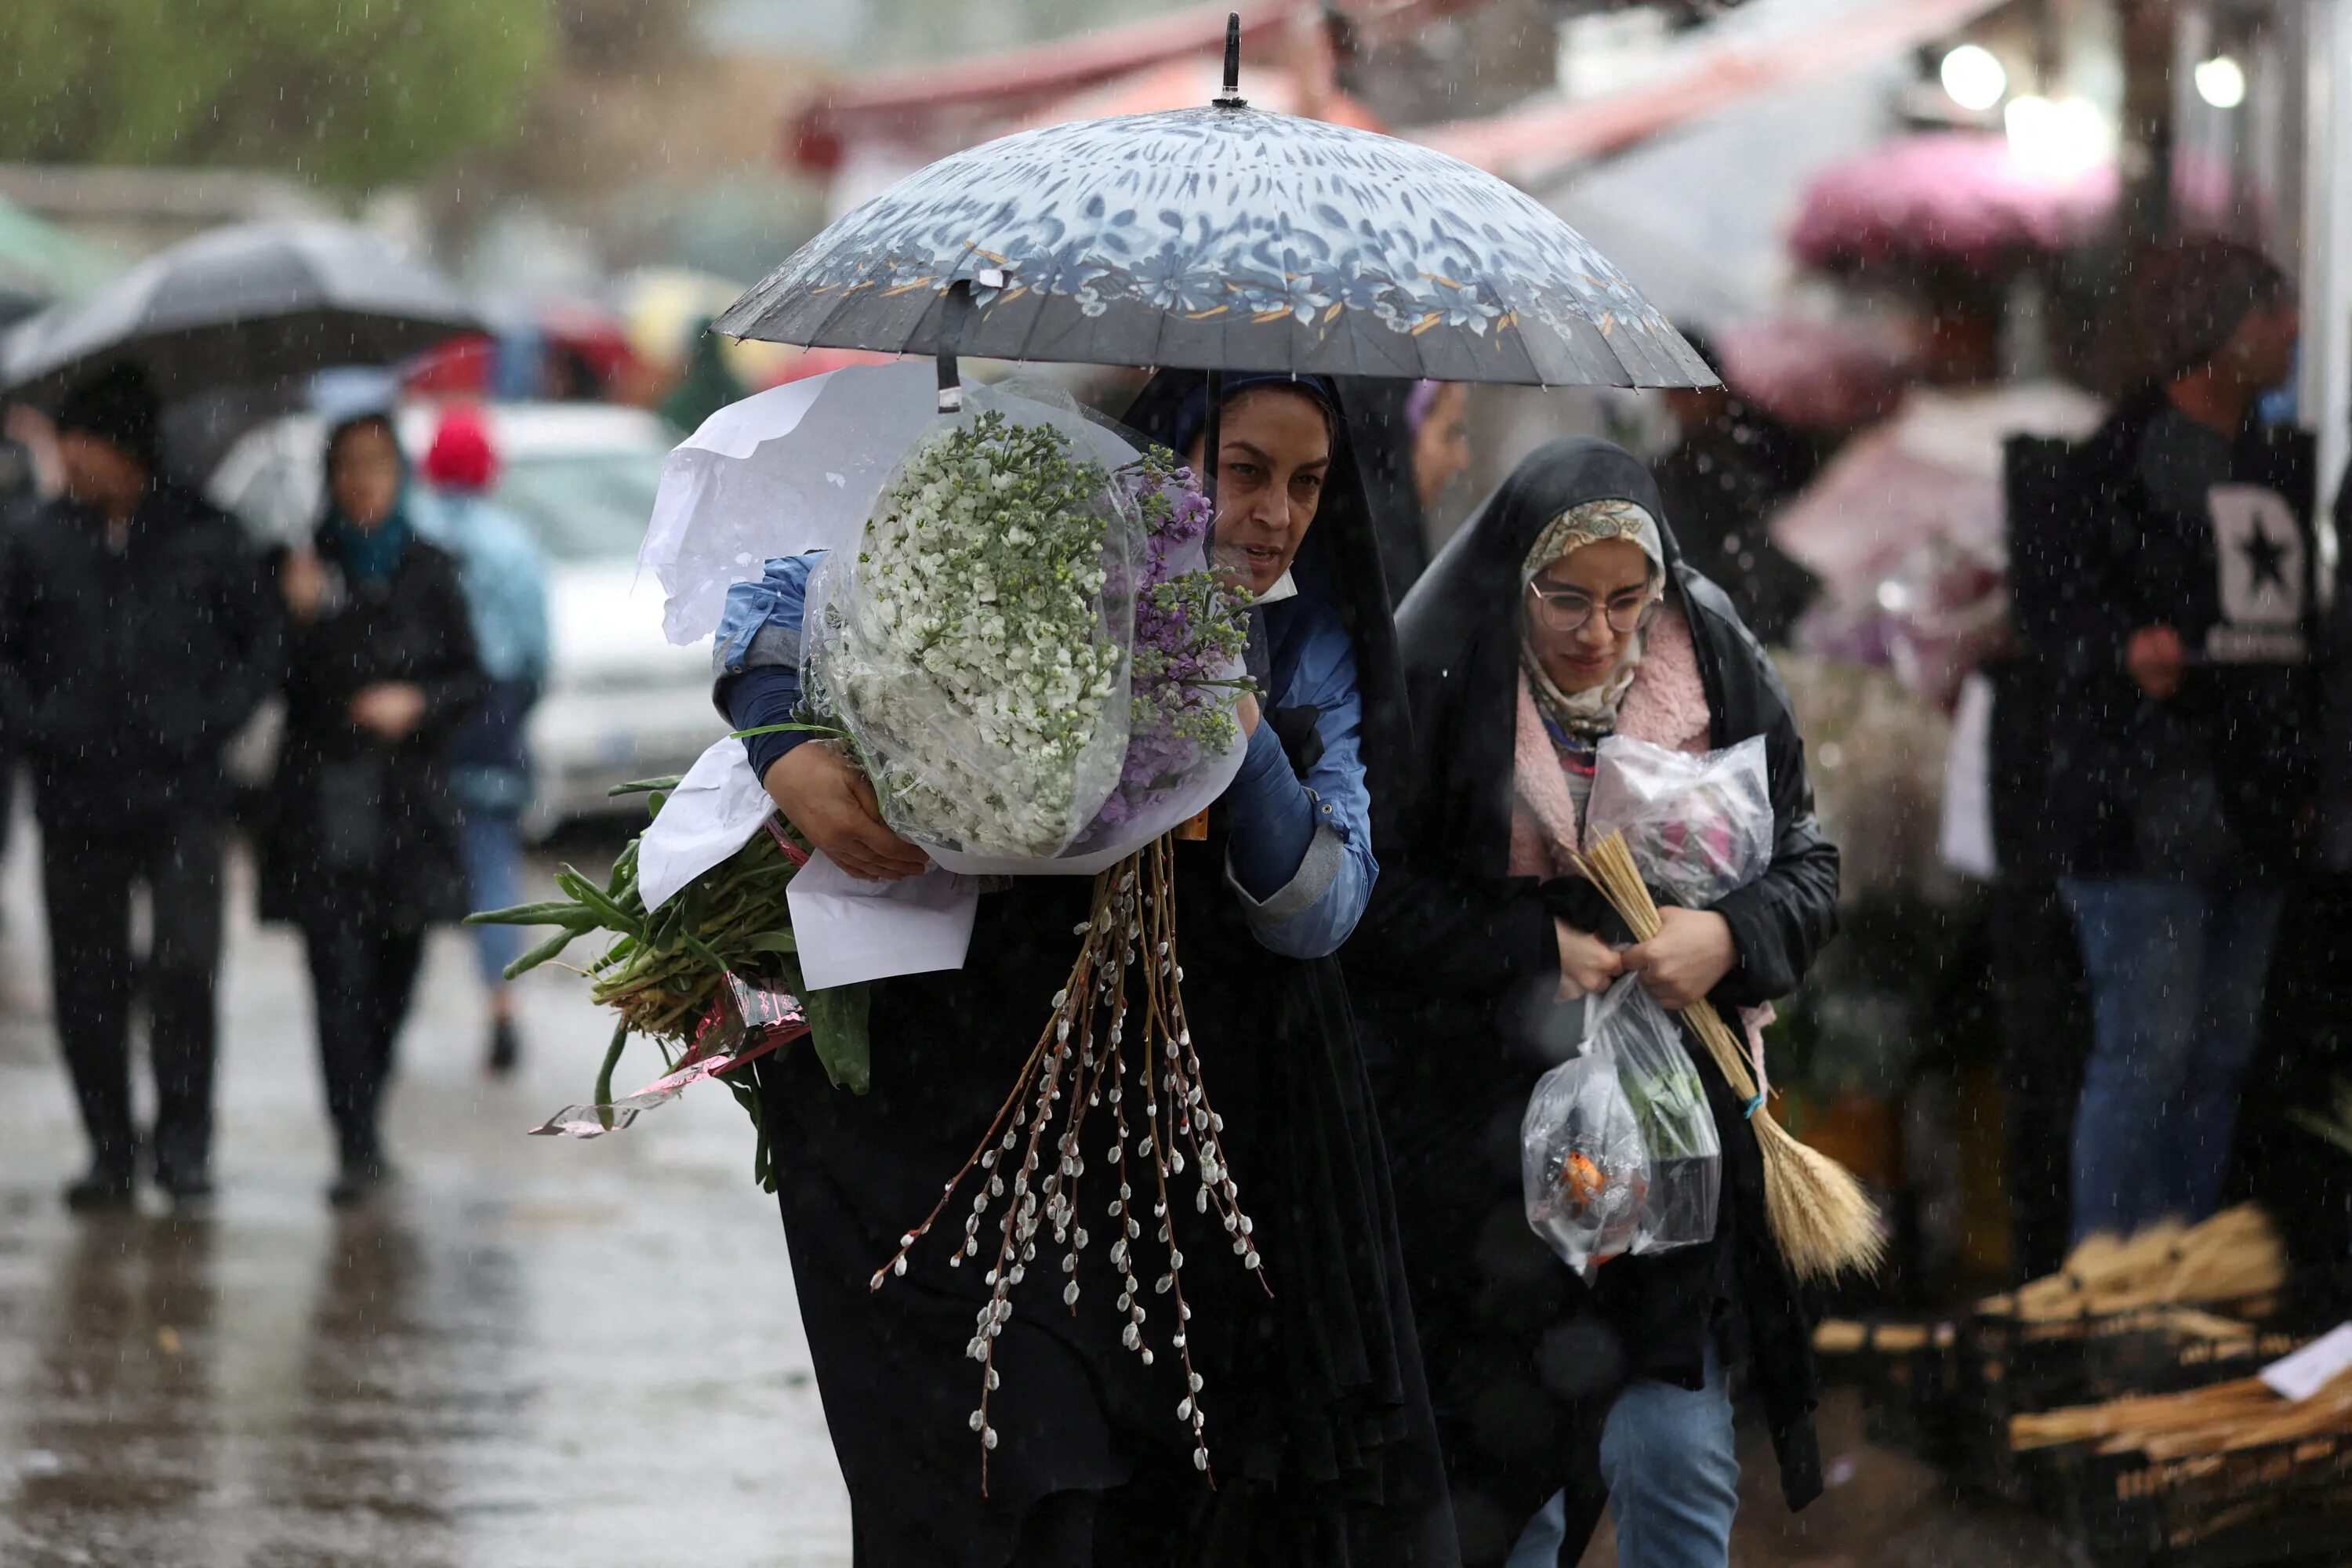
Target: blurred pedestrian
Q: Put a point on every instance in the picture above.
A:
(1731, 466)
(1413, 441)
(707, 384)
(362, 845)
(137, 634)
(504, 573)
(2183, 754)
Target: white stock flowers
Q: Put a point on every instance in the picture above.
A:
(979, 648)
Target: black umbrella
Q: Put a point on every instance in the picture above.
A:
(250, 304)
(1222, 239)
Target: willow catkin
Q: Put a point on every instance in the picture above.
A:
(1823, 1221)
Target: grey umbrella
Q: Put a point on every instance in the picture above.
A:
(244, 305)
(1228, 239)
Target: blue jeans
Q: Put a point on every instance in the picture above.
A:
(2177, 970)
(491, 848)
(1666, 1454)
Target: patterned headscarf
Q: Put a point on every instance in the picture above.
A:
(1591, 714)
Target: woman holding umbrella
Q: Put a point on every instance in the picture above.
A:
(1328, 1455)
(361, 849)
(1563, 613)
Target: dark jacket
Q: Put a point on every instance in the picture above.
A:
(354, 820)
(124, 672)
(2121, 533)
(1721, 482)
(1525, 1358)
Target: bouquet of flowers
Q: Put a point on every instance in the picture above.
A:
(1028, 652)
(709, 976)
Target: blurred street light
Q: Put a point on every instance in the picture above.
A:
(1975, 77)
(2221, 82)
(2060, 137)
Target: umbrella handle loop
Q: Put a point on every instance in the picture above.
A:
(954, 311)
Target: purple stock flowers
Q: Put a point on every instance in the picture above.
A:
(1189, 634)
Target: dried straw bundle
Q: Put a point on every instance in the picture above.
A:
(1823, 1221)
(2216, 1419)
(2238, 1252)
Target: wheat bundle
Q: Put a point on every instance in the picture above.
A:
(2215, 1419)
(2238, 1252)
(1825, 1224)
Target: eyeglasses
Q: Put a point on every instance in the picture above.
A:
(1567, 609)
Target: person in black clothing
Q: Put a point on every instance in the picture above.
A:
(136, 637)
(1328, 1455)
(1731, 466)
(360, 848)
(2183, 751)
(1560, 615)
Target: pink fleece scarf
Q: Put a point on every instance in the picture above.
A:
(1666, 706)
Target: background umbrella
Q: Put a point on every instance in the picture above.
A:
(247, 305)
(40, 262)
(1221, 238)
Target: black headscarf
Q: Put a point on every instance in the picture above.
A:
(1464, 651)
(1382, 430)
(1339, 564)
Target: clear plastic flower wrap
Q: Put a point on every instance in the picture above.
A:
(1698, 825)
(1584, 1168)
(1669, 1101)
(1026, 648)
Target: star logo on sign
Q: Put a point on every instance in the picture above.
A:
(2267, 557)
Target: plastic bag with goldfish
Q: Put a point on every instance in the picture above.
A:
(1583, 1166)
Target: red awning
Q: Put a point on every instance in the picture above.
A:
(1535, 142)
(970, 94)
(951, 105)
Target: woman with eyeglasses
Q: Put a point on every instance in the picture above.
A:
(1561, 615)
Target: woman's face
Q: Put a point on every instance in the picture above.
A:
(1274, 452)
(1441, 448)
(363, 472)
(1607, 583)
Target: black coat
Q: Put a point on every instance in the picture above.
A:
(354, 821)
(1525, 1360)
(125, 673)
(2220, 777)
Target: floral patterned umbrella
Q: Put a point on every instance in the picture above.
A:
(1228, 239)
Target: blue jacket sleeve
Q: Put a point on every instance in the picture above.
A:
(1299, 852)
(756, 658)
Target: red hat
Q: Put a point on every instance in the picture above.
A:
(461, 457)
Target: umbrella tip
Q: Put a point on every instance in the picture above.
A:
(1232, 96)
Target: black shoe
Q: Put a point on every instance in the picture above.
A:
(104, 1187)
(358, 1180)
(506, 1049)
(186, 1189)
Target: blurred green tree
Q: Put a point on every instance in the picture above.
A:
(350, 92)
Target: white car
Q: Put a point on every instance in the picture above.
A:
(622, 702)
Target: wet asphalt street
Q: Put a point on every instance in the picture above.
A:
(532, 1351)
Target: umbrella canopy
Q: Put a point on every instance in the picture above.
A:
(1962, 198)
(242, 305)
(1223, 237)
(41, 261)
